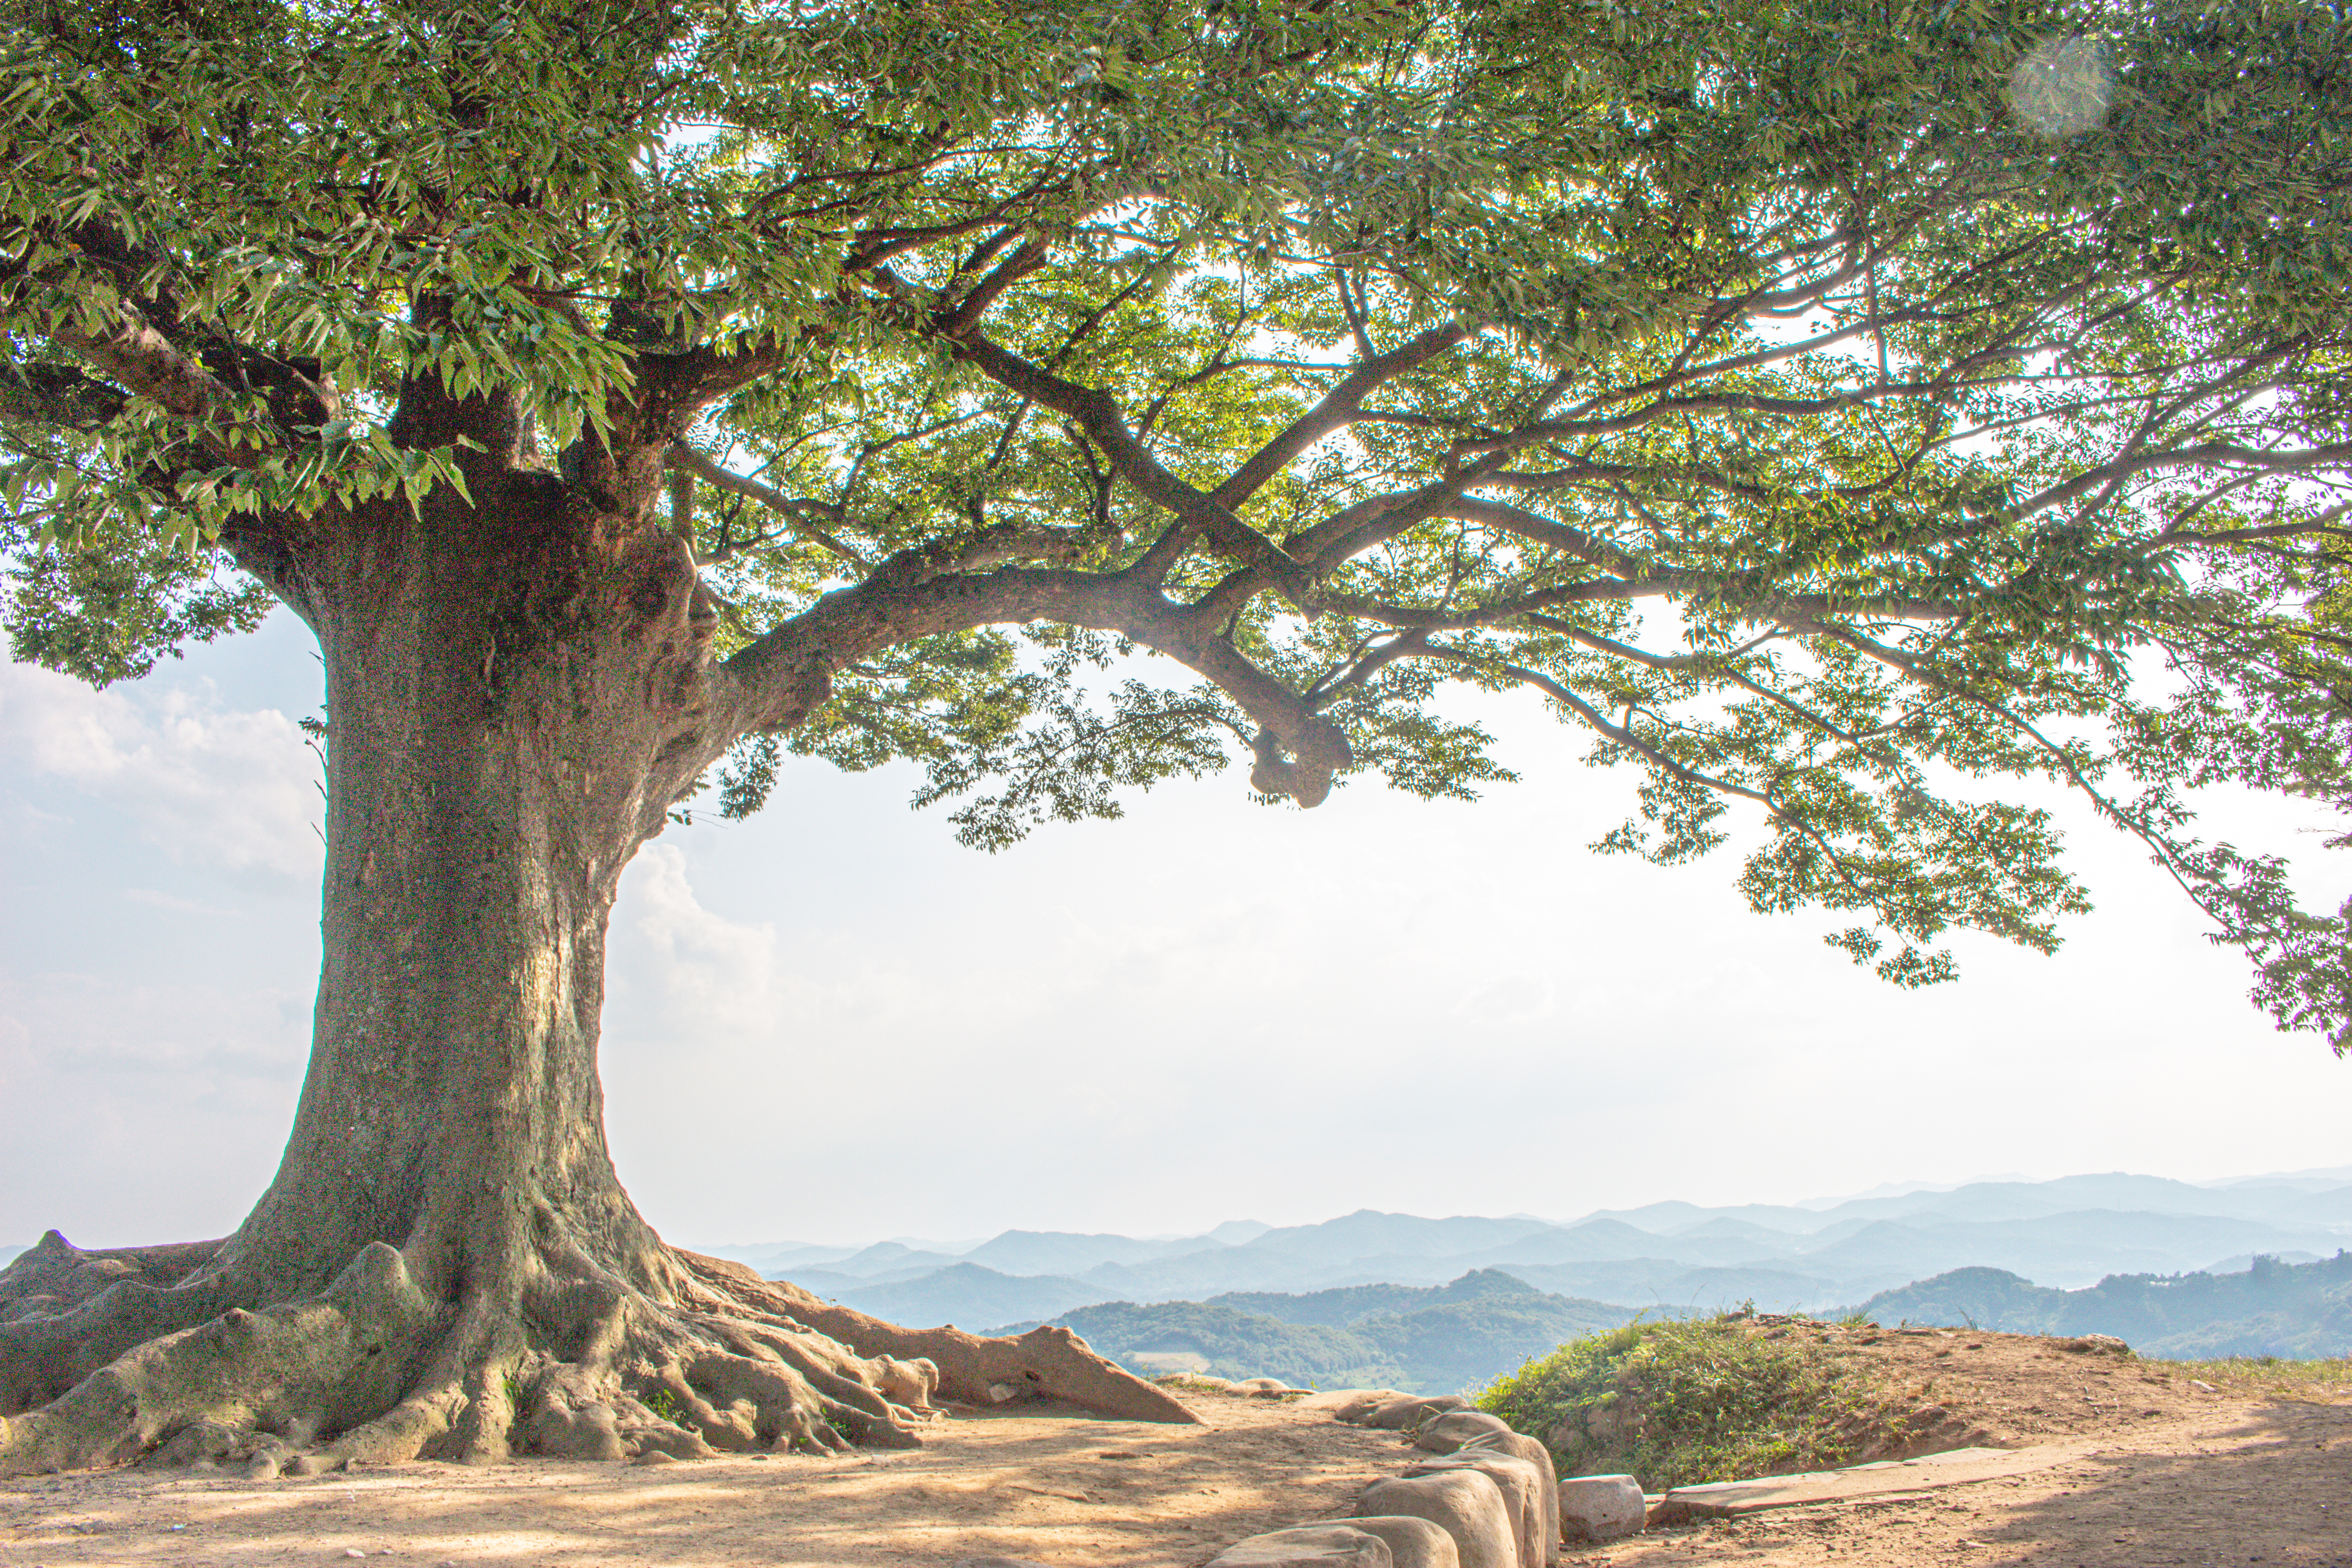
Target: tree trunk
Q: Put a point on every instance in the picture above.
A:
(447, 1263)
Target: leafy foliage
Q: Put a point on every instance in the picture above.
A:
(1678, 1404)
(1822, 405)
(110, 610)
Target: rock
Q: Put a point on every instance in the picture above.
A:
(1521, 1485)
(2201, 1386)
(560, 1430)
(908, 1383)
(1351, 1404)
(1408, 1411)
(199, 1442)
(1412, 1543)
(1265, 1387)
(1522, 1447)
(1308, 1546)
(1601, 1508)
(654, 1457)
(1465, 1504)
(2093, 1344)
(1456, 1427)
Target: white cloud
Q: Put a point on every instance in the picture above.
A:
(210, 784)
(1510, 999)
(694, 945)
(141, 1110)
(173, 904)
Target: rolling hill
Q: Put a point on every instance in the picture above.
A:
(2272, 1309)
(1436, 1340)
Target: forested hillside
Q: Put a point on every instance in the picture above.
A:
(2272, 1309)
(1421, 1339)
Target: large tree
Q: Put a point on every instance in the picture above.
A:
(1825, 404)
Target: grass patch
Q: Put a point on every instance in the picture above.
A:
(663, 1404)
(1193, 1383)
(1682, 1402)
(2266, 1374)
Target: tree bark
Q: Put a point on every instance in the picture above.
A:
(446, 1262)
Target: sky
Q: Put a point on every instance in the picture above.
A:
(833, 1024)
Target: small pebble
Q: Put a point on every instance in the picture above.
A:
(354, 1552)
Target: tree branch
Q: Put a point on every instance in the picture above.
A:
(57, 394)
(1334, 410)
(795, 512)
(151, 366)
(786, 676)
(1196, 511)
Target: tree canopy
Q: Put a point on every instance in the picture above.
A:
(1824, 406)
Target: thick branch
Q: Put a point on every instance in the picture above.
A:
(1196, 511)
(1523, 524)
(1333, 412)
(786, 675)
(137, 356)
(694, 380)
(57, 394)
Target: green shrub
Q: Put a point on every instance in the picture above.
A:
(1678, 1402)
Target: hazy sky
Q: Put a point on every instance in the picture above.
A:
(833, 1023)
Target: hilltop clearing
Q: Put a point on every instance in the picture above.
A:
(2250, 1472)
(2177, 1475)
(1718, 1399)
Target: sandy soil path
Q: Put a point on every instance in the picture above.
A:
(1060, 1489)
(2218, 1480)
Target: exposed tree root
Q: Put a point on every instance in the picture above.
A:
(110, 1357)
(67, 1312)
(1048, 1364)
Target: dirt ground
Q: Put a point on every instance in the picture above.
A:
(2240, 1475)
(2257, 1470)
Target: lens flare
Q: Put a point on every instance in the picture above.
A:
(2063, 87)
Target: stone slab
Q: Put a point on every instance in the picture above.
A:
(1309, 1546)
(1959, 1466)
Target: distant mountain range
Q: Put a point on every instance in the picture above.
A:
(1462, 1336)
(2066, 1234)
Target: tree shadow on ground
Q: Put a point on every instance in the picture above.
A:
(2274, 1488)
